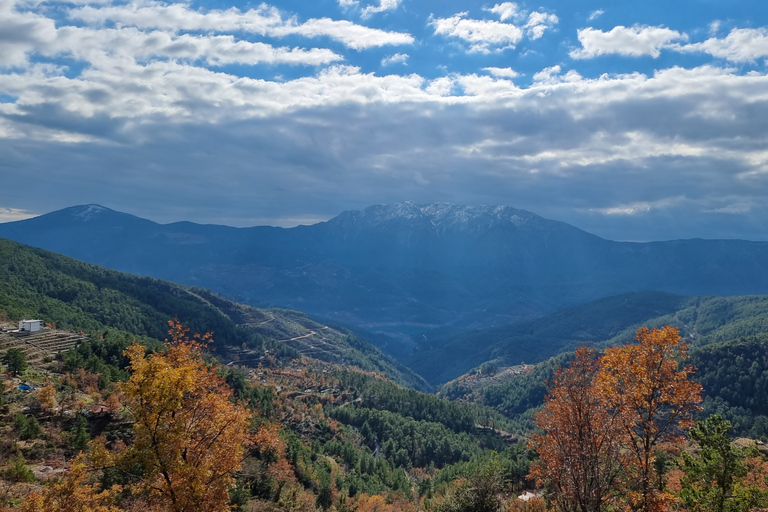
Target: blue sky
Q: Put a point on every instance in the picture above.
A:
(633, 120)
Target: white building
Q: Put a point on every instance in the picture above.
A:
(30, 325)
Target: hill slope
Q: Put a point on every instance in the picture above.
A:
(81, 296)
(604, 322)
(403, 268)
(733, 374)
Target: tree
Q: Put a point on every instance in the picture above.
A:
(646, 385)
(79, 435)
(47, 397)
(72, 494)
(16, 361)
(712, 475)
(27, 427)
(580, 451)
(480, 493)
(189, 436)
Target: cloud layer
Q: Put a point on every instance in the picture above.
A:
(175, 111)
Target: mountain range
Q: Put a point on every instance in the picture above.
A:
(402, 269)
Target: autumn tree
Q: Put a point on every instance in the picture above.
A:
(580, 449)
(47, 397)
(189, 436)
(646, 384)
(74, 493)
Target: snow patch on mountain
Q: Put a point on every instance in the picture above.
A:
(88, 212)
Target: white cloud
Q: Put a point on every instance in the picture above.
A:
(14, 214)
(20, 33)
(487, 35)
(383, 5)
(94, 46)
(538, 22)
(264, 20)
(506, 10)
(346, 4)
(624, 209)
(548, 75)
(740, 45)
(482, 35)
(350, 34)
(502, 72)
(634, 41)
(398, 58)
(595, 14)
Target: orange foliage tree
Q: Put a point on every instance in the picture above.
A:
(580, 453)
(645, 383)
(189, 436)
(72, 494)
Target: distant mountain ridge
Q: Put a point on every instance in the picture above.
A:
(403, 268)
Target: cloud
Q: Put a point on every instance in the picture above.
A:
(548, 75)
(502, 72)
(485, 36)
(264, 20)
(398, 58)
(14, 214)
(616, 143)
(538, 22)
(634, 41)
(740, 45)
(146, 98)
(626, 209)
(506, 10)
(383, 6)
(595, 14)
(20, 33)
(482, 35)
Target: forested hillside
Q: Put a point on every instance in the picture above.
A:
(600, 323)
(733, 374)
(74, 295)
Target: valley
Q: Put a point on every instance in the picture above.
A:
(351, 414)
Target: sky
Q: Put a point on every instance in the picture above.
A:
(632, 120)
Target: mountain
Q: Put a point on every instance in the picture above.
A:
(83, 297)
(402, 269)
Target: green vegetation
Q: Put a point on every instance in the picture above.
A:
(734, 375)
(15, 360)
(713, 476)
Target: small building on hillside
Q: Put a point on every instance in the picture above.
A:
(30, 325)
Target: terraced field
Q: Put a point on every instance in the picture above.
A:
(38, 345)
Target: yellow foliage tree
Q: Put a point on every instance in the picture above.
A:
(73, 493)
(189, 436)
(47, 397)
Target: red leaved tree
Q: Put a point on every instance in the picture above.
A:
(581, 456)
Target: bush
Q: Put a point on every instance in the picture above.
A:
(18, 472)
